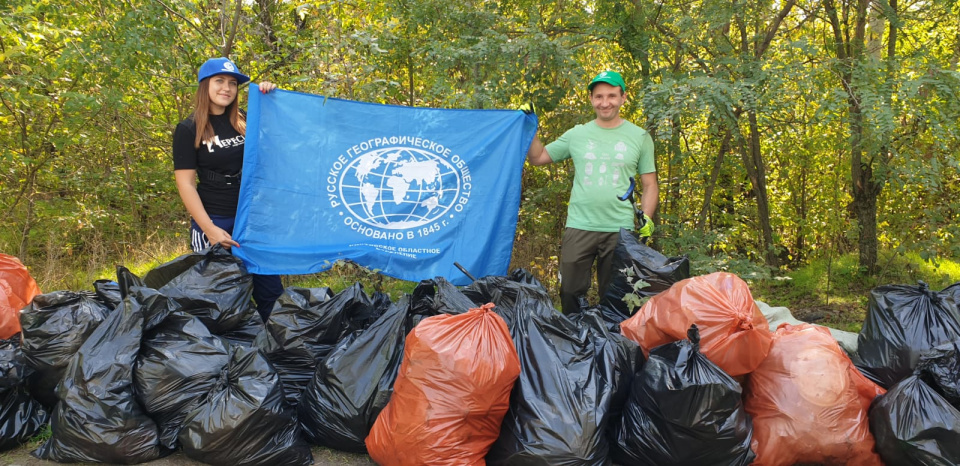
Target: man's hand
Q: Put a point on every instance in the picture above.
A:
(528, 108)
(647, 228)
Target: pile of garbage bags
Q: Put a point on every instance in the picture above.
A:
(22, 416)
(909, 345)
(488, 373)
(131, 372)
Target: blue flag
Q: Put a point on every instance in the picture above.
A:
(401, 190)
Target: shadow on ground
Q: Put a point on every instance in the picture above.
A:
(321, 457)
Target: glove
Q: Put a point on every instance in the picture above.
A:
(647, 228)
(528, 108)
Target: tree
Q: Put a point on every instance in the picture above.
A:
(725, 47)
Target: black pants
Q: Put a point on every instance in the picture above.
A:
(266, 288)
(578, 251)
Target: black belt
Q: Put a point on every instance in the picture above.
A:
(212, 176)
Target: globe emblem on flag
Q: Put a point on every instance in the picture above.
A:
(397, 188)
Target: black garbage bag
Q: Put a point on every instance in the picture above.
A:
(593, 318)
(633, 261)
(212, 285)
(21, 416)
(304, 327)
(612, 317)
(914, 425)
(953, 290)
(438, 296)
(525, 276)
(509, 296)
(108, 292)
(243, 419)
(98, 418)
(902, 322)
(381, 302)
(54, 326)
(683, 410)
(941, 371)
(354, 383)
(245, 334)
(574, 378)
(179, 363)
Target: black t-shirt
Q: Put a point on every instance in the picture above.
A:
(223, 155)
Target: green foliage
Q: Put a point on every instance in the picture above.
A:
(41, 436)
(84, 173)
(709, 251)
(634, 300)
(909, 268)
(89, 95)
(343, 274)
(823, 278)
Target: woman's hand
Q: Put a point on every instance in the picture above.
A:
(218, 235)
(267, 86)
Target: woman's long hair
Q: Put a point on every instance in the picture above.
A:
(201, 114)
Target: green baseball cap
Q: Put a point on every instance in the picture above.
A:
(610, 77)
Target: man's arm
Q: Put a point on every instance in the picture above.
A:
(537, 153)
(650, 197)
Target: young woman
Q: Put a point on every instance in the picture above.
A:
(208, 146)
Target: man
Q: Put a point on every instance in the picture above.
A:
(606, 152)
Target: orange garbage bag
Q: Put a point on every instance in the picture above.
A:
(809, 403)
(734, 335)
(451, 394)
(17, 289)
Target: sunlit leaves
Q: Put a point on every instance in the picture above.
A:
(91, 91)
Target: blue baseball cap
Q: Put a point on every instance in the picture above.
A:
(215, 66)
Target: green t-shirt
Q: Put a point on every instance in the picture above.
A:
(603, 160)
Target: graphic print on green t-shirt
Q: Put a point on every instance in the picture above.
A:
(604, 159)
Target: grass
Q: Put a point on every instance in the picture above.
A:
(830, 291)
(66, 273)
(342, 275)
(834, 292)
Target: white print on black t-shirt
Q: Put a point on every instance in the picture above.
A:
(224, 143)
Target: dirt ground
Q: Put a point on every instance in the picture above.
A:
(321, 457)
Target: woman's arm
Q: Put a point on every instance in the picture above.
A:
(186, 186)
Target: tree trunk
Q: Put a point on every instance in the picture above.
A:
(865, 206)
(712, 185)
(228, 42)
(864, 190)
(127, 171)
(799, 244)
(673, 188)
(25, 232)
(265, 15)
(641, 33)
(850, 49)
(758, 178)
(410, 91)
